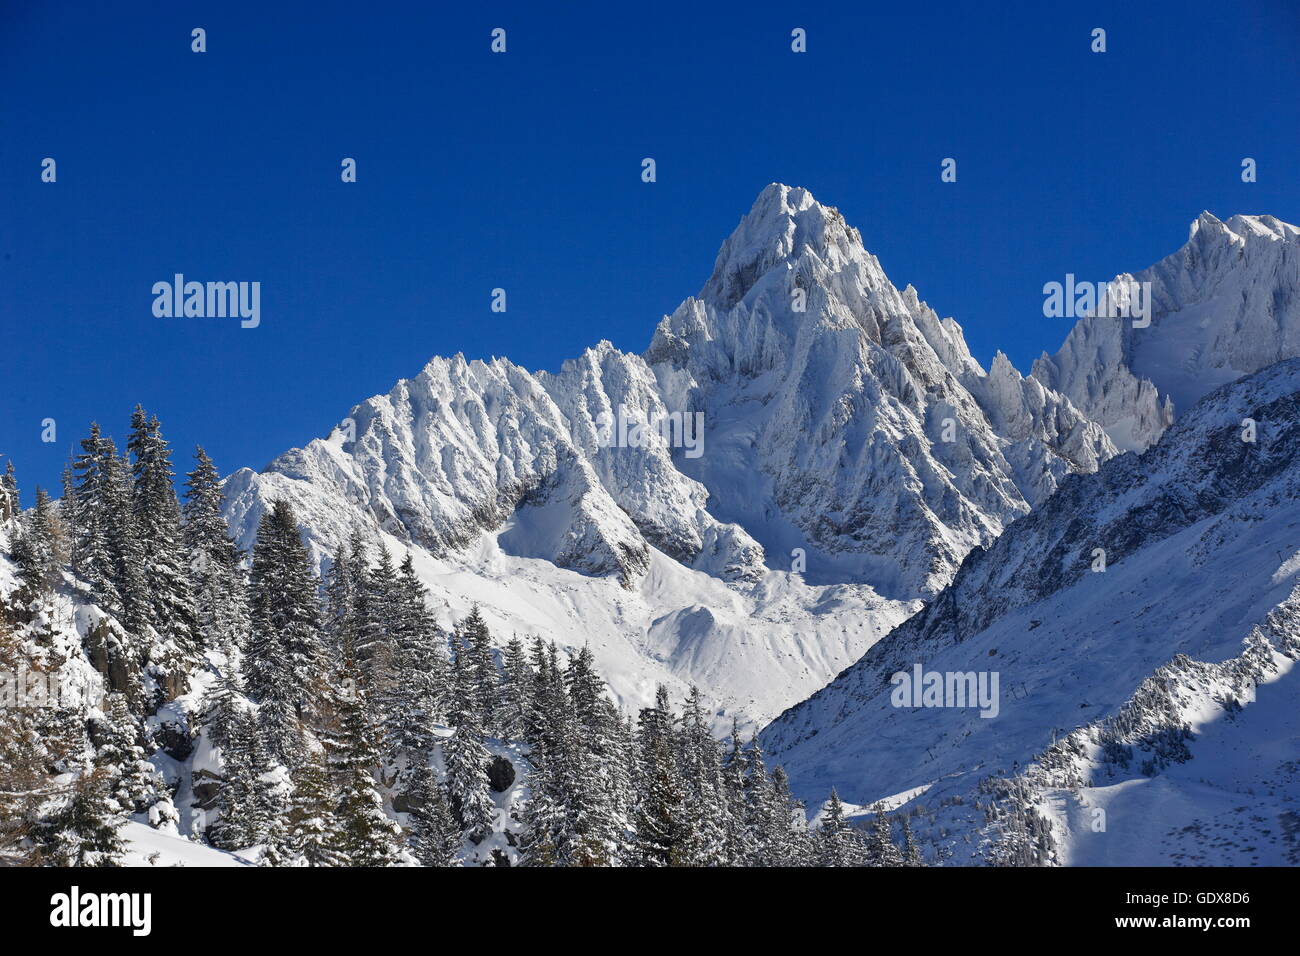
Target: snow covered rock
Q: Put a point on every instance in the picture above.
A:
(831, 453)
(1224, 305)
(1133, 613)
(843, 417)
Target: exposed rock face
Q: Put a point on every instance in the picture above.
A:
(175, 734)
(501, 774)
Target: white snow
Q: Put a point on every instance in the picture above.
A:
(853, 453)
(148, 847)
(1068, 660)
(1225, 305)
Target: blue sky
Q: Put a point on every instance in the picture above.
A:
(522, 171)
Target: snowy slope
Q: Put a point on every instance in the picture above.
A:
(1233, 804)
(1224, 305)
(64, 630)
(148, 847)
(853, 453)
(1133, 689)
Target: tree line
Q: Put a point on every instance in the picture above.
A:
(345, 725)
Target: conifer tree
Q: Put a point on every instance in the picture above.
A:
(242, 797)
(881, 849)
(36, 549)
(106, 555)
(539, 678)
(134, 607)
(367, 837)
(467, 783)
(659, 824)
(760, 813)
(156, 525)
(740, 842)
(282, 701)
(549, 833)
(339, 626)
(629, 770)
(85, 831)
(269, 793)
(789, 842)
(215, 562)
(459, 676)
(838, 843)
(358, 573)
(312, 834)
(704, 802)
(413, 698)
(375, 647)
(135, 784)
(66, 744)
(93, 500)
(543, 822)
(596, 788)
(222, 709)
(513, 712)
(69, 489)
(480, 671)
(435, 837)
(276, 850)
(285, 656)
(9, 504)
(911, 852)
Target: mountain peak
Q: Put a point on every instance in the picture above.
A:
(1206, 219)
(796, 198)
(1242, 227)
(784, 223)
(1265, 227)
(1225, 304)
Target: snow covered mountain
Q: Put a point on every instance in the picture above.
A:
(805, 474)
(1143, 625)
(1224, 305)
(860, 429)
(851, 453)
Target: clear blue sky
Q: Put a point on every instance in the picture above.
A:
(522, 171)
